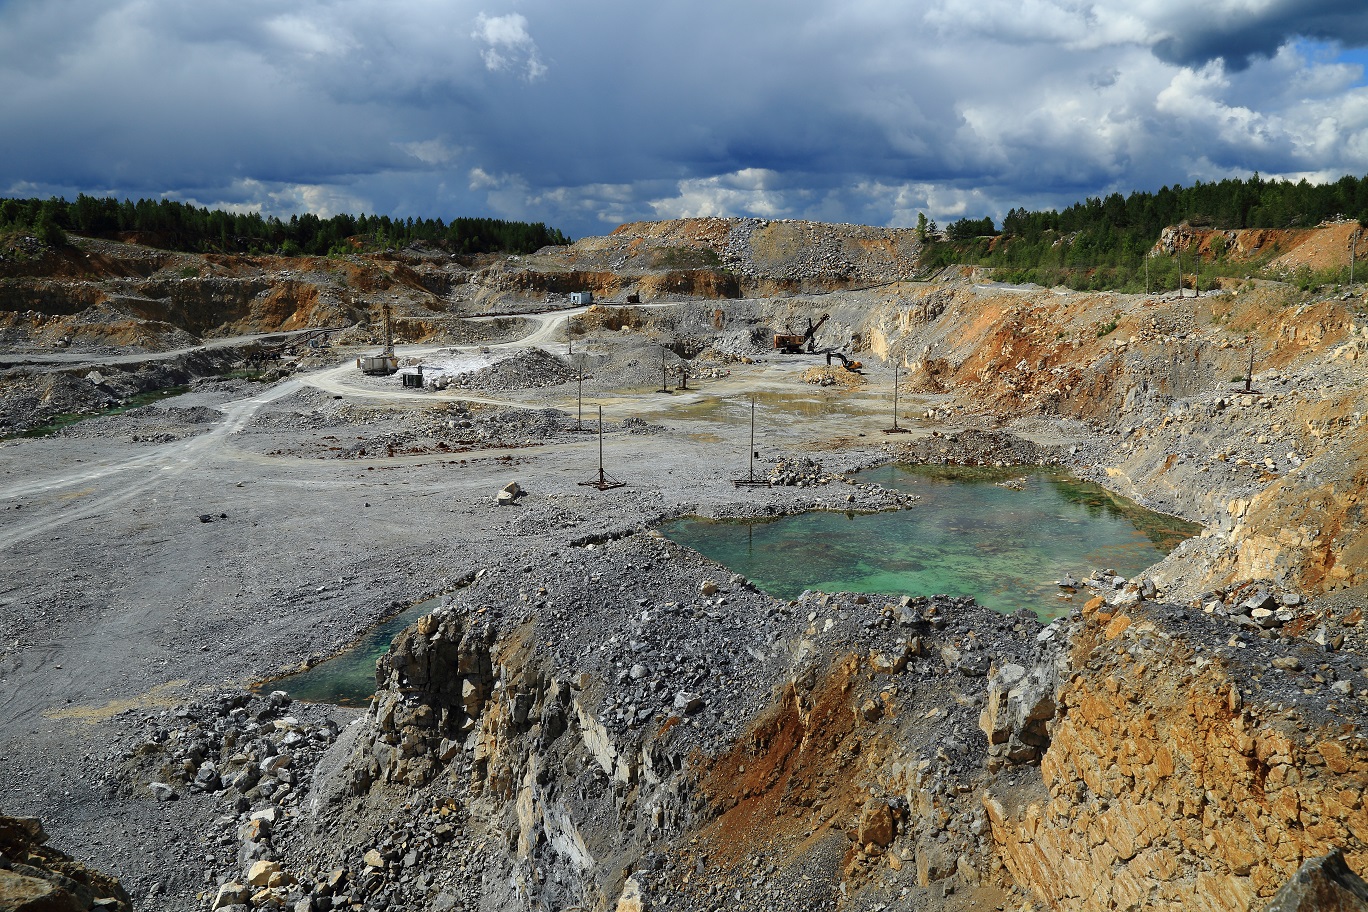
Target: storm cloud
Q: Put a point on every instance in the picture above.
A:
(586, 115)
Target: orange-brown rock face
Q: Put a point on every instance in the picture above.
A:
(1165, 788)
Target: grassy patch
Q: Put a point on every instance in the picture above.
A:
(687, 258)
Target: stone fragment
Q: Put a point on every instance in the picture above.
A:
(161, 791)
(259, 874)
(876, 824)
(631, 899)
(707, 588)
(255, 831)
(207, 778)
(688, 702)
(509, 494)
(374, 859)
(231, 894)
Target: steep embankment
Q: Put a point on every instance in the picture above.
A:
(99, 293)
(835, 752)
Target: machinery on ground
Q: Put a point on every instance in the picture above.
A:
(849, 364)
(386, 362)
(794, 343)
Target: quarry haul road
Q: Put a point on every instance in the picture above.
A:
(147, 471)
(118, 483)
(110, 484)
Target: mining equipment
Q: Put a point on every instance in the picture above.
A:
(849, 364)
(794, 343)
(384, 363)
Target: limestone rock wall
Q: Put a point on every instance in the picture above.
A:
(1181, 778)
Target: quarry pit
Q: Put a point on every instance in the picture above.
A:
(594, 717)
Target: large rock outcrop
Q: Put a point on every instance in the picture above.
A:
(1187, 769)
(37, 878)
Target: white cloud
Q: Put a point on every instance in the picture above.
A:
(432, 151)
(308, 36)
(508, 45)
(748, 192)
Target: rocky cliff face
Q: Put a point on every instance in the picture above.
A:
(1275, 473)
(1139, 756)
(1187, 768)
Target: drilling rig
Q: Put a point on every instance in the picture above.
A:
(793, 343)
(384, 363)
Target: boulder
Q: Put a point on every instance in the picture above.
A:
(24, 893)
(231, 894)
(260, 873)
(1324, 884)
(509, 493)
(876, 824)
(1020, 704)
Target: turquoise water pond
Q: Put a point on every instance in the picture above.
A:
(348, 678)
(968, 534)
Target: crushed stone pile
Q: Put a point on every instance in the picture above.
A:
(527, 369)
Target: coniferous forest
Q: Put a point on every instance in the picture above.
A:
(1101, 243)
(179, 226)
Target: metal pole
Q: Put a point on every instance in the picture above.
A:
(895, 395)
(579, 398)
(600, 408)
(751, 472)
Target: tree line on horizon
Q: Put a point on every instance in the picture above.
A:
(1102, 242)
(179, 226)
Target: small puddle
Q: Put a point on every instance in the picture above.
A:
(60, 422)
(968, 534)
(348, 678)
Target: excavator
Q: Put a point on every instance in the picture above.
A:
(849, 364)
(794, 343)
(384, 363)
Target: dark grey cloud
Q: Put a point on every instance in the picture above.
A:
(864, 110)
(1238, 33)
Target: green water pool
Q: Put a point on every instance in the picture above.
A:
(348, 678)
(968, 534)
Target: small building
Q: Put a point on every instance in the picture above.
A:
(581, 298)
